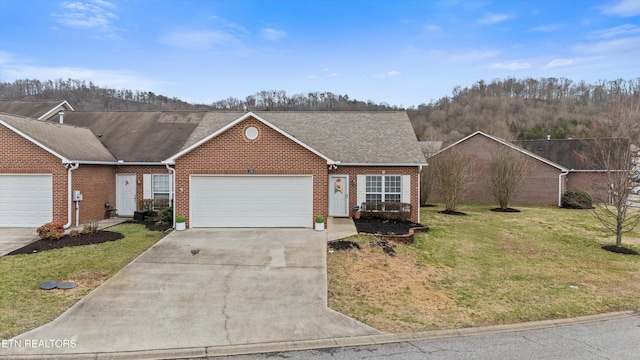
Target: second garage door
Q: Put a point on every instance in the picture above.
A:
(251, 201)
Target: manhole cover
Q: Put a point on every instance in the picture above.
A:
(67, 285)
(48, 285)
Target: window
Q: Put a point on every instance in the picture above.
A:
(386, 188)
(161, 184)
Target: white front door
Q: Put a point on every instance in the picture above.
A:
(126, 194)
(338, 195)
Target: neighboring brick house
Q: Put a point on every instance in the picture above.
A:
(544, 185)
(219, 169)
(556, 166)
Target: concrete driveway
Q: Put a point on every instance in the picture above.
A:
(207, 287)
(15, 238)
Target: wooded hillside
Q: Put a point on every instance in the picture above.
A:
(509, 108)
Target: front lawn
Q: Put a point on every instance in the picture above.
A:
(23, 306)
(486, 268)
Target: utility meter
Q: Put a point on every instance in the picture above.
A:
(77, 196)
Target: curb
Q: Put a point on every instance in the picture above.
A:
(244, 349)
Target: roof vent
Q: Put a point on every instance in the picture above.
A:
(61, 113)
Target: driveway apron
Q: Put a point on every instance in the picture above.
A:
(207, 287)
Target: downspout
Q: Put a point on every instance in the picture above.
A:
(69, 197)
(173, 191)
(419, 189)
(564, 173)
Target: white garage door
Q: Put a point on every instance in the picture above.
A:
(25, 200)
(251, 201)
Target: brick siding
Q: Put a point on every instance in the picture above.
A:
(232, 153)
(540, 188)
(354, 171)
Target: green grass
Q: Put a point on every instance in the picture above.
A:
(491, 268)
(23, 306)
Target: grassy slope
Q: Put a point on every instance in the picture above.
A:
(23, 306)
(487, 268)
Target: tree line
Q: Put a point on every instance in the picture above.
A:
(509, 108)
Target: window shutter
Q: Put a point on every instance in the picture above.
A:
(406, 189)
(361, 189)
(146, 187)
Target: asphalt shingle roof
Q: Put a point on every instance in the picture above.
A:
(70, 142)
(29, 108)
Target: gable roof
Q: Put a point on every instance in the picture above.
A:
(36, 109)
(510, 145)
(68, 143)
(233, 123)
(571, 152)
(359, 138)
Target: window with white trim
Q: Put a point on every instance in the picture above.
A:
(386, 188)
(161, 185)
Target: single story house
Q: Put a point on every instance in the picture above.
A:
(556, 166)
(219, 169)
(544, 185)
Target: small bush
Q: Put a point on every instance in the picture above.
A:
(386, 210)
(74, 233)
(90, 227)
(319, 219)
(145, 205)
(577, 199)
(180, 218)
(166, 215)
(51, 231)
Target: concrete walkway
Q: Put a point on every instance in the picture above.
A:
(206, 288)
(14, 238)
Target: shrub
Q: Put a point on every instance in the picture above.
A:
(386, 210)
(90, 227)
(180, 218)
(74, 233)
(51, 231)
(166, 215)
(145, 205)
(577, 199)
(319, 219)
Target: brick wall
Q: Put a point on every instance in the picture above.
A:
(353, 171)
(595, 183)
(270, 153)
(20, 156)
(540, 188)
(97, 184)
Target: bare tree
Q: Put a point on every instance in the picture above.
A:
(452, 173)
(611, 187)
(509, 170)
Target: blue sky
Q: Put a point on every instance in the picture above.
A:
(401, 52)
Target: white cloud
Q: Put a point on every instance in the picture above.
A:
(514, 65)
(272, 34)
(490, 18)
(474, 55)
(558, 62)
(432, 28)
(387, 74)
(548, 28)
(611, 47)
(96, 15)
(118, 79)
(199, 39)
(622, 8)
(622, 30)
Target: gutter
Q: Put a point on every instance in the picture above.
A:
(120, 162)
(173, 184)
(69, 187)
(564, 173)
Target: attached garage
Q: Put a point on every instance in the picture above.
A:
(251, 201)
(26, 200)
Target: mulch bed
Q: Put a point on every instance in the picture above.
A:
(66, 241)
(620, 250)
(451, 212)
(151, 224)
(384, 227)
(506, 210)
